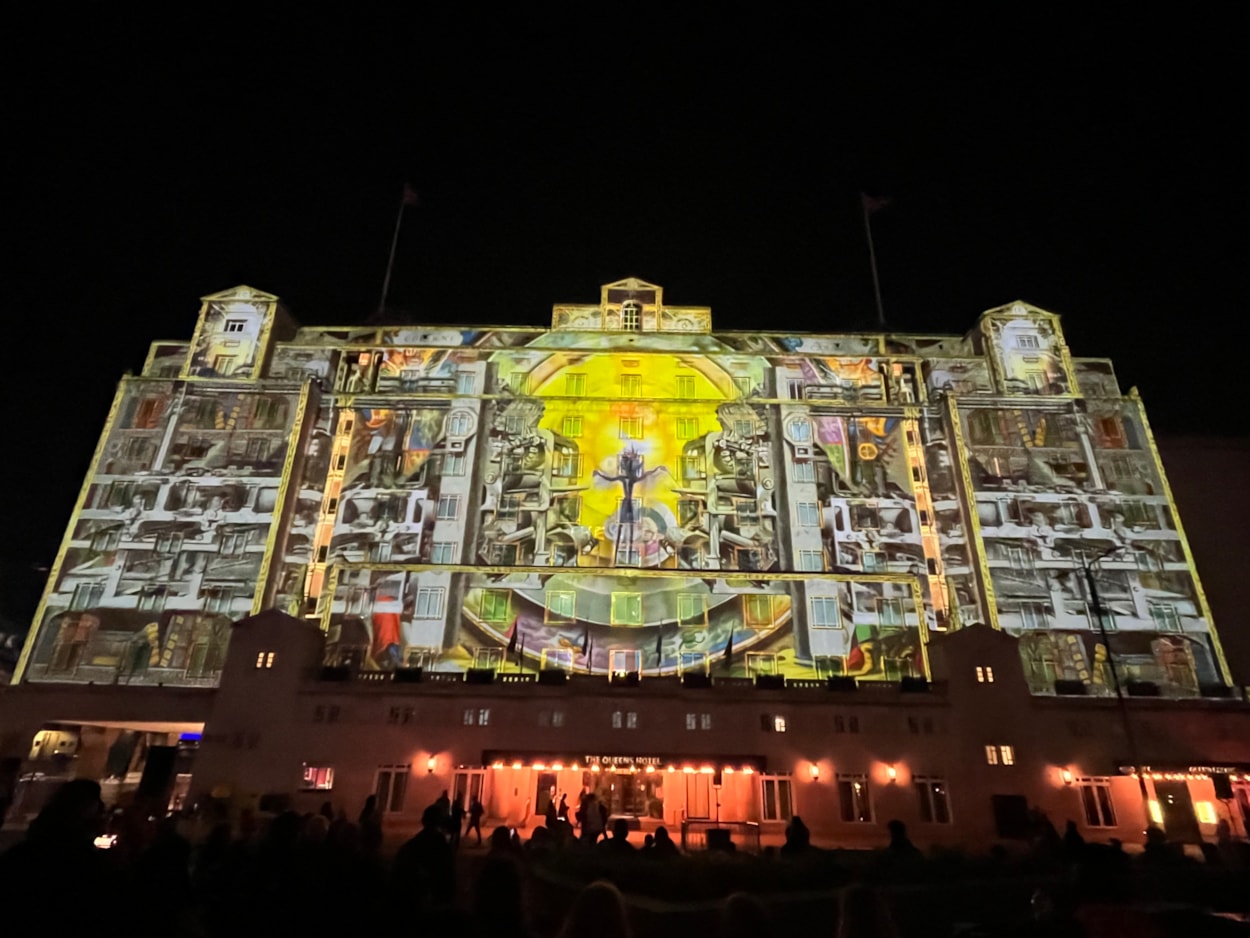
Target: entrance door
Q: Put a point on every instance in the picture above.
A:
(1179, 821)
(698, 795)
(545, 794)
(469, 785)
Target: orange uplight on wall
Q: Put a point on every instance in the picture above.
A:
(429, 765)
(1066, 775)
(891, 773)
(814, 769)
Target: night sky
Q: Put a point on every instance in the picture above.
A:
(1092, 166)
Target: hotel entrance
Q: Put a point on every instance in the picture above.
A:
(629, 793)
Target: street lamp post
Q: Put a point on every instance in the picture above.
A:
(1087, 567)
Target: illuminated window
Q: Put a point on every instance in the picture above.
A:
(757, 611)
(1027, 341)
(985, 675)
(804, 472)
(572, 427)
(626, 609)
(561, 605)
(800, 430)
(443, 552)
(448, 507)
(991, 755)
(318, 777)
(825, 613)
(777, 803)
(744, 385)
(430, 603)
(933, 798)
(630, 428)
(1205, 812)
(617, 719)
(687, 428)
(264, 659)
(557, 718)
(692, 721)
(235, 325)
(495, 605)
(1165, 616)
(631, 385)
(691, 610)
(685, 386)
(772, 723)
(574, 386)
(808, 514)
(853, 798)
(566, 465)
(811, 560)
(474, 716)
(705, 721)
(630, 314)
(1096, 801)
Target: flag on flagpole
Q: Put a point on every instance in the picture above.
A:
(659, 643)
(590, 655)
(729, 650)
(516, 628)
(410, 195)
(585, 640)
(521, 654)
(873, 204)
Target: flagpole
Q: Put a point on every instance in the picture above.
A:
(872, 258)
(390, 261)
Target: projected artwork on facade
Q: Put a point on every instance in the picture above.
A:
(626, 493)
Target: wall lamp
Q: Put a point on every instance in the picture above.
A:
(891, 773)
(1066, 775)
(814, 769)
(429, 765)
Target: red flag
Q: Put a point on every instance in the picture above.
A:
(873, 204)
(516, 629)
(854, 657)
(410, 195)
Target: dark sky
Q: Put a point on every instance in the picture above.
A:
(1093, 166)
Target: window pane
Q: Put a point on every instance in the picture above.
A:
(1104, 802)
(941, 807)
(1090, 805)
(926, 808)
(783, 798)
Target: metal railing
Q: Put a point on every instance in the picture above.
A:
(717, 835)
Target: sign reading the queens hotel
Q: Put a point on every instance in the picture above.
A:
(626, 492)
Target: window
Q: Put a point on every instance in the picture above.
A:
(390, 786)
(800, 430)
(630, 428)
(1000, 755)
(1096, 800)
(687, 428)
(864, 517)
(235, 325)
(811, 560)
(747, 511)
(931, 793)
(630, 314)
(1027, 341)
(772, 723)
(1034, 616)
(561, 605)
(685, 386)
(854, 798)
(757, 611)
(692, 466)
(430, 602)
(691, 610)
(264, 659)
(448, 507)
(985, 675)
(566, 465)
(1165, 617)
(87, 595)
(825, 612)
(509, 507)
(846, 724)
(318, 778)
(808, 514)
(794, 389)
(631, 720)
(477, 717)
(443, 552)
(574, 386)
(217, 598)
(495, 605)
(466, 382)
(168, 542)
(631, 385)
(626, 609)
(698, 721)
(890, 611)
(152, 598)
(628, 720)
(778, 804)
(572, 427)
(458, 424)
(804, 472)
(873, 561)
(744, 428)
(692, 721)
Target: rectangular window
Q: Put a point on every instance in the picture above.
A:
(1007, 754)
(1034, 615)
(168, 542)
(430, 602)
(448, 507)
(991, 755)
(618, 719)
(800, 430)
(87, 595)
(934, 801)
(890, 611)
(779, 724)
(626, 609)
(557, 718)
(687, 428)
(235, 325)
(631, 385)
(747, 510)
(630, 428)
(811, 560)
(825, 612)
(630, 314)
(495, 605)
(318, 778)
(566, 465)
(777, 802)
(152, 598)
(685, 387)
(744, 385)
(1165, 616)
(571, 427)
(470, 717)
(985, 675)
(744, 429)
(458, 424)
(390, 786)
(873, 561)
(794, 389)
(853, 797)
(561, 605)
(804, 472)
(692, 466)
(574, 386)
(1096, 800)
(264, 659)
(466, 382)
(705, 721)
(692, 721)
(453, 464)
(1027, 341)
(808, 514)
(483, 716)
(864, 517)
(757, 611)
(443, 552)
(691, 610)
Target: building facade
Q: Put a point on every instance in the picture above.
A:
(631, 505)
